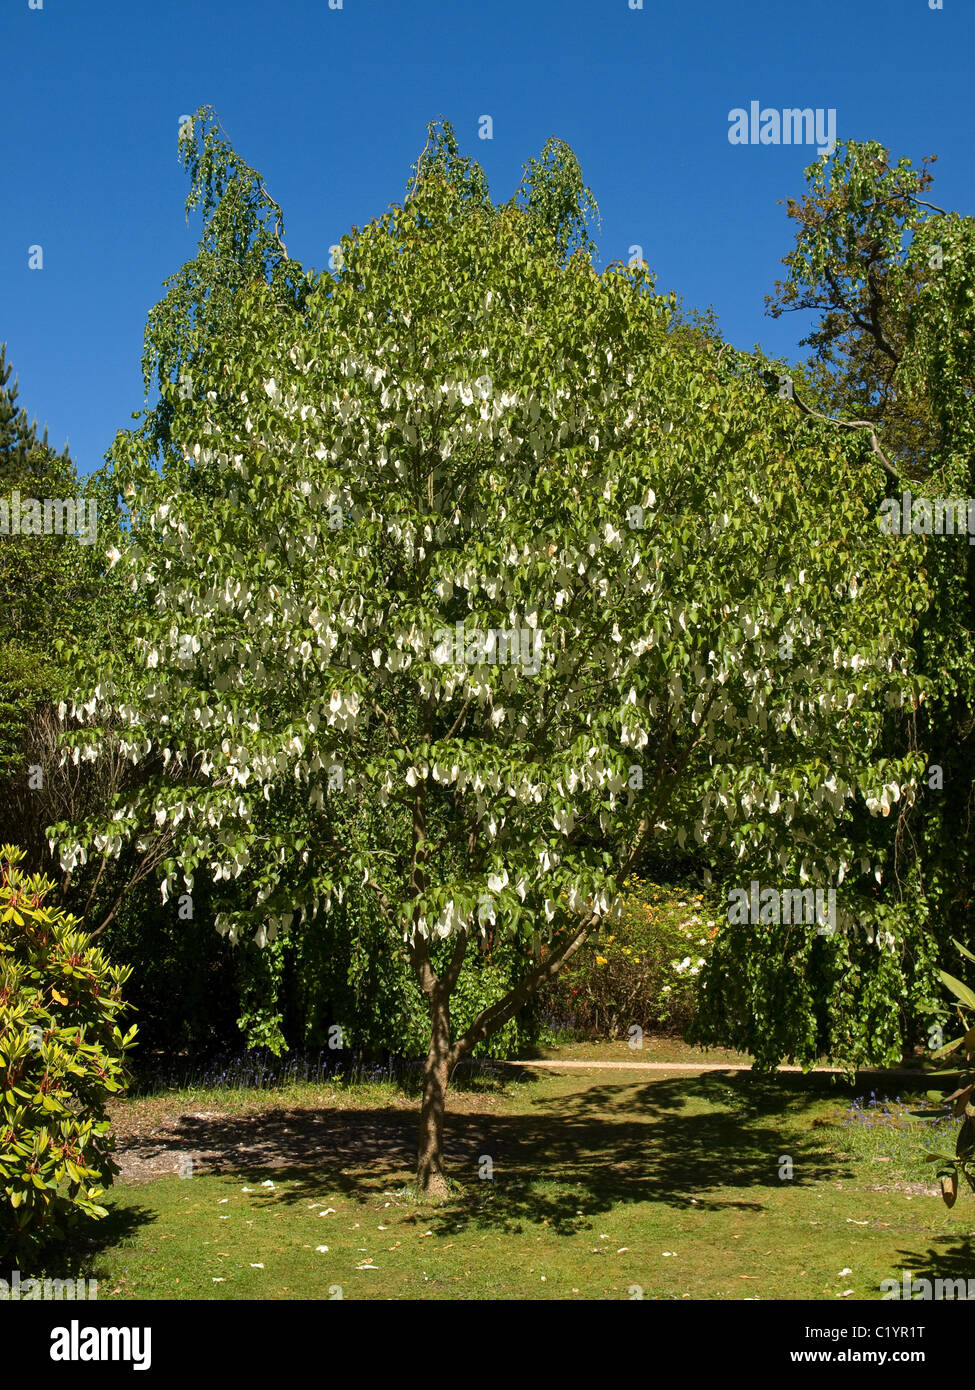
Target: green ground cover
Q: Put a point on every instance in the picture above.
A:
(605, 1185)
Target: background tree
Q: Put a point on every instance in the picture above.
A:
(890, 278)
(242, 242)
(53, 589)
(854, 268)
(30, 567)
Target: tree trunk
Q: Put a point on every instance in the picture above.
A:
(436, 1074)
(442, 1056)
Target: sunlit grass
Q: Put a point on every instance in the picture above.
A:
(606, 1185)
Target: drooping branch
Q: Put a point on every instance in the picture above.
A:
(163, 848)
(920, 202)
(489, 1020)
(278, 223)
(851, 425)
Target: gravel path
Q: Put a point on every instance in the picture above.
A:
(703, 1066)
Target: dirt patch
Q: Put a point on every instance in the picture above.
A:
(915, 1189)
(151, 1142)
(221, 1143)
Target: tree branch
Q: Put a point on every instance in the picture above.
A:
(851, 425)
(496, 1015)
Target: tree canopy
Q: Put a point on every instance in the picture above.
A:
(537, 616)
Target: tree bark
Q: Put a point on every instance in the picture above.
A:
(436, 1076)
(443, 1056)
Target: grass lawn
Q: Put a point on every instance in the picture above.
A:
(653, 1049)
(606, 1185)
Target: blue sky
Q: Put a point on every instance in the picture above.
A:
(331, 106)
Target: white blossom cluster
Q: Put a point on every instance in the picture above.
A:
(362, 508)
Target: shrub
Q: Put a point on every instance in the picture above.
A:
(644, 970)
(959, 1104)
(61, 1057)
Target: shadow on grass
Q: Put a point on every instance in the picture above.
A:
(950, 1258)
(712, 1142)
(78, 1256)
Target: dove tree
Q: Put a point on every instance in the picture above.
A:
(481, 552)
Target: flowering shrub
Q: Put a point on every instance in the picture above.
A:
(644, 970)
(61, 1057)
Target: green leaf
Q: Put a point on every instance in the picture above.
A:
(964, 950)
(961, 991)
